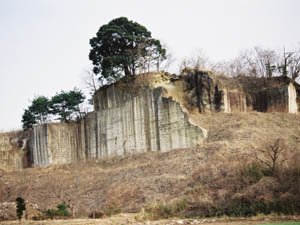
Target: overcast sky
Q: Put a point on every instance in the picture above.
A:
(44, 44)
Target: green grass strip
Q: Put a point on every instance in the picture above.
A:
(287, 223)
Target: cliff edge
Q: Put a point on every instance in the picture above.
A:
(154, 112)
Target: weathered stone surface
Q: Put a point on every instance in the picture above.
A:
(124, 122)
(277, 99)
(148, 115)
(13, 150)
(292, 101)
(55, 143)
(209, 93)
(234, 101)
(141, 120)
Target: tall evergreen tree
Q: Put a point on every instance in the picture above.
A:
(122, 46)
(20, 207)
(66, 105)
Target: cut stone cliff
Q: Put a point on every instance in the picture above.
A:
(156, 112)
(55, 143)
(125, 121)
(210, 93)
(14, 150)
(138, 121)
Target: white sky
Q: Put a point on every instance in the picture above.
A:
(44, 44)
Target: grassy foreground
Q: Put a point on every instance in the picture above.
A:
(231, 174)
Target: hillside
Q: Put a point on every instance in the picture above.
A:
(217, 174)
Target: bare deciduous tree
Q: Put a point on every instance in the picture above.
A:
(259, 62)
(90, 81)
(289, 65)
(272, 156)
(198, 60)
(170, 59)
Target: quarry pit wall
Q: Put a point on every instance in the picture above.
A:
(124, 122)
(128, 121)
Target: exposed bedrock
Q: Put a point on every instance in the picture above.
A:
(124, 122)
(138, 121)
(14, 150)
(151, 114)
(210, 93)
(55, 143)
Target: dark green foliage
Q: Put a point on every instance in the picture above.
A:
(28, 119)
(121, 46)
(66, 105)
(20, 207)
(40, 107)
(61, 211)
(37, 112)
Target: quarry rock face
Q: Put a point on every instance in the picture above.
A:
(131, 121)
(213, 93)
(13, 150)
(292, 99)
(151, 114)
(55, 143)
(209, 93)
(275, 98)
(124, 122)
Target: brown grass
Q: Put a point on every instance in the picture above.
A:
(219, 170)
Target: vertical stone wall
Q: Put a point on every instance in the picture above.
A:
(56, 143)
(234, 101)
(292, 101)
(128, 121)
(88, 132)
(239, 94)
(209, 93)
(132, 120)
(124, 122)
(271, 100)
(13, 150)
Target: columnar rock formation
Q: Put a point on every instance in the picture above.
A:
(55, 143)
(276, 99)
(13, 150)
(151, 114)
(208, 92)
(292, 99)
(140, 120)
(125, 121)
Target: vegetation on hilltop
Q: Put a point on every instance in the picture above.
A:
(63, 106)
(240, 170)
(122, 47)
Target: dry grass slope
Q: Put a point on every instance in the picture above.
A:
(222, 176)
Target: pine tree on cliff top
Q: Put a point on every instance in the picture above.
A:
(121, 47)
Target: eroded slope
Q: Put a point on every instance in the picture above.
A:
(206, 176)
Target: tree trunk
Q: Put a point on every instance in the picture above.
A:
(126, 70)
